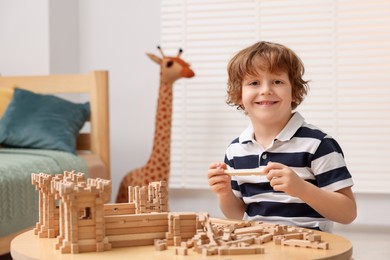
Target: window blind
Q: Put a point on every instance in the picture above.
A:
(345, 46)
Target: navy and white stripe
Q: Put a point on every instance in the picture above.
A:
(312, 154)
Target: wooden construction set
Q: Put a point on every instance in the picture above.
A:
(73, 210)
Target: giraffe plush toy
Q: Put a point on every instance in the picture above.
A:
(158, 166)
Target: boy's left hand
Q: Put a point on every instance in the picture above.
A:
(282, 178)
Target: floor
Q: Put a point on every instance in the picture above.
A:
(368, 242)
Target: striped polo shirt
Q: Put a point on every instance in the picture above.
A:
(311, 153)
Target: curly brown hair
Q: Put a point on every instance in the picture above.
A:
(274, 57)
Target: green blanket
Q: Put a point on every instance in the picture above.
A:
(18, 197)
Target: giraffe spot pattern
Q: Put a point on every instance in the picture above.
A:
(157, 167)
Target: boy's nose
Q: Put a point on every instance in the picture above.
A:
(266, 89)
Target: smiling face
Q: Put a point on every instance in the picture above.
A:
(264, 57)
(267, 97)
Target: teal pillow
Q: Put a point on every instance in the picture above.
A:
(40, 121)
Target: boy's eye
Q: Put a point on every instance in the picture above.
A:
(253, 83)
(278, 82)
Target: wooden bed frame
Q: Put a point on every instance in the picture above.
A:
(94, 146)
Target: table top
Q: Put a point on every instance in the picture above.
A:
(29, 246)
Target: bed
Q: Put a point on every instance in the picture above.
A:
(90, 154)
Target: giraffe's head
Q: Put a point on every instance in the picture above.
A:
(172, 68)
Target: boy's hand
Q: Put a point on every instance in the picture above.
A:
(282, 178)
(219, 182)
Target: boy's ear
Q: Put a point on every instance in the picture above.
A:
(240, 104)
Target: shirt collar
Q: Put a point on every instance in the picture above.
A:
(286, 134)
(295, 122)
(247, 135)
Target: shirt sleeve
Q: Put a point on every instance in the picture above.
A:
(230, 165)
(329, 167)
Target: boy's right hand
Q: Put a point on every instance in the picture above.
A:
(219, 182)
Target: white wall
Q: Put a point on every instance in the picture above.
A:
(70, 36)
(64, 36)
(114, 36)
(24, 37)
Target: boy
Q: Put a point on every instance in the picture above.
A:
(306, 181)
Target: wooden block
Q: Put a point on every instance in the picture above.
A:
(86, 235)
(187, 216)
(225, 221)
(87, 229)
(305, 243)
(160, 247)
(245, 172)
(136, 230)
(190, 243)
(138, 217)
(293, 236)
(188, 228)
(252, 229)
(119, 209)
(176, 223)
(248, 240)
(259, 250)
(74, 249)
(135, 224)
(155, 235)
(84, 242)
(184, 244)
(181, 251)
(263, 239)
(314, 237)
(127, 243)
(241, 250)
(100, 247)
(226, 236)
(223, 250)
(160, 244)
(168, 235)
(169, 241)
(207, 251)
(177, 240)
(277, 240)
(84, 223)
(199, 249)
(85, 198)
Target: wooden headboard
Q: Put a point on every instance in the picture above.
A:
(95, 84)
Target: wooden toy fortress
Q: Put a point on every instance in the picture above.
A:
(73, 210)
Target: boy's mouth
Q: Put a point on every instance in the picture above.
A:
(266, 102)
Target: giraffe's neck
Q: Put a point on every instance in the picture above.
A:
(162, 132)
